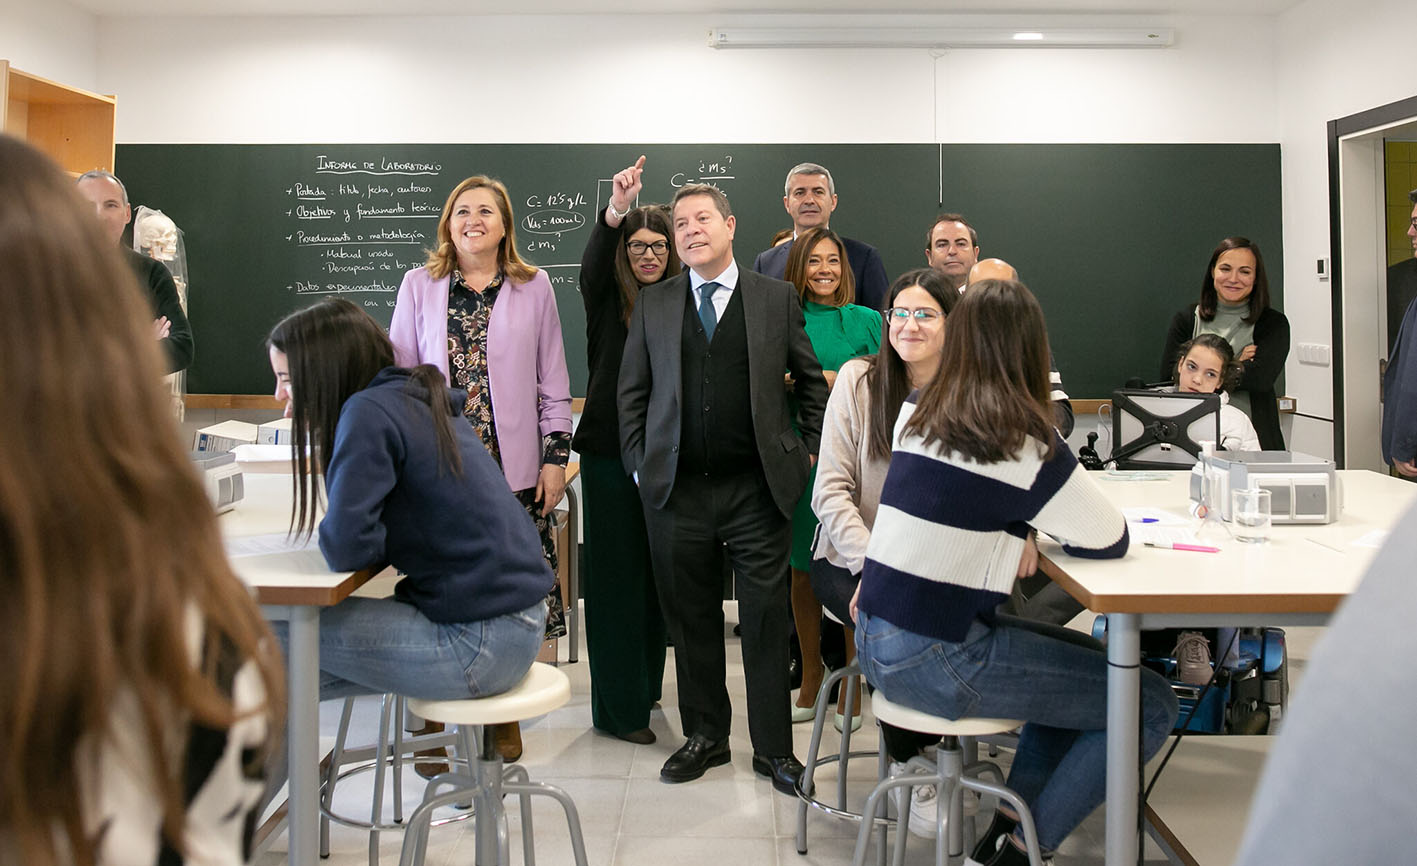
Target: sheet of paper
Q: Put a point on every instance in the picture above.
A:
(252, 453)
(1156, 533)
(1376, 538)
(261, 545)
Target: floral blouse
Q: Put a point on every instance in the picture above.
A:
(469, 313)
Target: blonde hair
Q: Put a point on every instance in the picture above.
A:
(444, 258)
(108, 544)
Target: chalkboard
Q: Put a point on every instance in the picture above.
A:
(1112, 238)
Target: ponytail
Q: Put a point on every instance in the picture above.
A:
(429, 380)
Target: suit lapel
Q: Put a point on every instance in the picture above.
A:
(669, 323)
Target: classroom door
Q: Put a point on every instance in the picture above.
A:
(1362, 199)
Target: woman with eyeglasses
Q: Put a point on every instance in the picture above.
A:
(855, 454)
(629, 248)
(488, 321)
(839, 330)
(856, 432)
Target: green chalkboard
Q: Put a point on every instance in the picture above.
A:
(1112, 238)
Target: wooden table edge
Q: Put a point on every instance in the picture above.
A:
(318, 596)
(1241, 603)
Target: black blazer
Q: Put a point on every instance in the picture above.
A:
(866, 266)
(651, 381)
(598, 432)
(154, 276)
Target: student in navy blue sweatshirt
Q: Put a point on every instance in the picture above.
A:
(976, 465)
(407, 483)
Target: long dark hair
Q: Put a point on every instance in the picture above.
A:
(334, 350)
(654, 217)
(996, 395)
(796, 270)
(1259, 295)
(1230, 369)
(888, 380)
(109, 548)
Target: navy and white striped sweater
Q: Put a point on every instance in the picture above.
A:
(949, 532)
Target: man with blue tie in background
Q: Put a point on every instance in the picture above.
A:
(706, 429)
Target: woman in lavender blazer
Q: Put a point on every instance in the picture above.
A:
(488, 320)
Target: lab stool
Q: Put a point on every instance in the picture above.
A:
(951, 776)
(484, 782)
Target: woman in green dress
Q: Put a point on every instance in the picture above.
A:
(839, 331)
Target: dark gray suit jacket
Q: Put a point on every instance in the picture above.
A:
(651, 382)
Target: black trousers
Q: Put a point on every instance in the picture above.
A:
(706, 519)
(624, 630)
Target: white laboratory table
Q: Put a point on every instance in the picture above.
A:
(1299, 577)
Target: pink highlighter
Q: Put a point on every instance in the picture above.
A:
(1198, 548)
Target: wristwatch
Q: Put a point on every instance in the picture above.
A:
(619, 215)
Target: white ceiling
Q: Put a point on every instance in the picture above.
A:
(186, 8)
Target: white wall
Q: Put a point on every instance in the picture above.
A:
(50, 39)
(1330, 65)
(587, 79)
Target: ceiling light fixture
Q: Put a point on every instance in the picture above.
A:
(939, 37)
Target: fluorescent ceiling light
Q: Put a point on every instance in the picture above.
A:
(939, 37)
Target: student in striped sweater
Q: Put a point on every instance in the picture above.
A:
(975, 468)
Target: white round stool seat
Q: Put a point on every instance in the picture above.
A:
(914, 720)
(543, 689)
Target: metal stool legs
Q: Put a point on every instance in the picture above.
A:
(380, 757)
(806, 786)
(953, 777)
(487, 783)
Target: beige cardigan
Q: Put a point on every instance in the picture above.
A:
(849, 480)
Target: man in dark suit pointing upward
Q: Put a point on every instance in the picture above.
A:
(706, 430)
(809, 195)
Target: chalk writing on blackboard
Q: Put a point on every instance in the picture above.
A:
(552, 215)
(385, 224)
(383, 165)
(709, 170)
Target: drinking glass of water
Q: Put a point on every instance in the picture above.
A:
(1251, 511)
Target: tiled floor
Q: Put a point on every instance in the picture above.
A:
(630, 818)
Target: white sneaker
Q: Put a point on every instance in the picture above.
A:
(923, 800)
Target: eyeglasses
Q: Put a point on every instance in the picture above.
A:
(921, 315)
(637, 248)
(1414, 222)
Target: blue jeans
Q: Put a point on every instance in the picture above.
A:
(377, 645)
(1053, 678)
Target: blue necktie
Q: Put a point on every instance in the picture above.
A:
(707, 314)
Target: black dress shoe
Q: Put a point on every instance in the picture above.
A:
(694, 758)
(784, 772)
